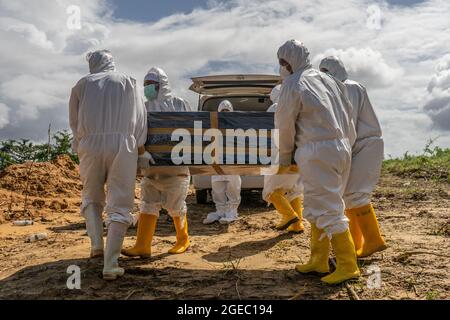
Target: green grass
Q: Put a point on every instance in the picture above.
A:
(433, 164)
(432, 295)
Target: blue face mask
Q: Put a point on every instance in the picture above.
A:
(150, 92)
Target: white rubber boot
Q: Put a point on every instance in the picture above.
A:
(94, 228)
(230, 217)
(114, 242)
(212, 217)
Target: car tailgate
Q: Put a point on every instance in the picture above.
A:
(234, 84)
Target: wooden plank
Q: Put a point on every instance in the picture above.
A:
(239, 170)
(238, 150)
(225, 132)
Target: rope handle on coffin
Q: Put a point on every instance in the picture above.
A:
(214, 119)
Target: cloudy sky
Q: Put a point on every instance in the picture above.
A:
(398, 49)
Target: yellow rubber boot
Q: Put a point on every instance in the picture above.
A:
(346, 266)
(354, 229)
(146, 230)
(183, 241)
(368, 223)
(298, 227)
(320, 251)
(283, 206)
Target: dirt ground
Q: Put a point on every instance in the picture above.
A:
(247, 260)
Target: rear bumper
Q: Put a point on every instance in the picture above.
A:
(254, 182)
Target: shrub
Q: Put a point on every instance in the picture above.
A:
(20, 151)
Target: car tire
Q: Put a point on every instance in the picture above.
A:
(202, 196)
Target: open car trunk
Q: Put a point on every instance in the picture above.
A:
(248, 93)
(234, 85)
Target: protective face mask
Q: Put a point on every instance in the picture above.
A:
(150, 92)
(284, 73)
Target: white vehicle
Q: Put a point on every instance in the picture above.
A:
(246, 93)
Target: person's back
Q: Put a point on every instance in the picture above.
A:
(367, 158)
(109, 123)
(325, 112)
(364, 116)
(107, 104)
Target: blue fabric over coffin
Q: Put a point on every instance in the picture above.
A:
(170, 121)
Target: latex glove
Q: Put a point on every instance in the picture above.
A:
(145, 160)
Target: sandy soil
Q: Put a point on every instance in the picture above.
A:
(247, 260)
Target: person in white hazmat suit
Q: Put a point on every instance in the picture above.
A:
(226, 190)
(161, 192)
(314, 120)
(285, 192)
(109, 123)
(368, 154)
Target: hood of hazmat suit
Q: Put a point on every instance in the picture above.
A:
(368, 151)
(335, 67)
(165, 102)
(296, 54)
(364, 116)
(314, 120)
(108, 120)
(101, 61)
(225, 105)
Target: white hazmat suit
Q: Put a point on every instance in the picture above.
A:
(226, 190)
(109, 123)
(162, 192)
(314, 116)
(367, 159)
(165, 192)
(368, 150)
(289, 183)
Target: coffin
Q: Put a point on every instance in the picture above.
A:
(212, 143)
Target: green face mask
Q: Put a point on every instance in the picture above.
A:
(150, 92)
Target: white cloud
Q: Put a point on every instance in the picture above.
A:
(41, 59)
(27, 31)
(438, 104)
(4, 115)
(366, 65)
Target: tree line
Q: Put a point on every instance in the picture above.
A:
(23, 150)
